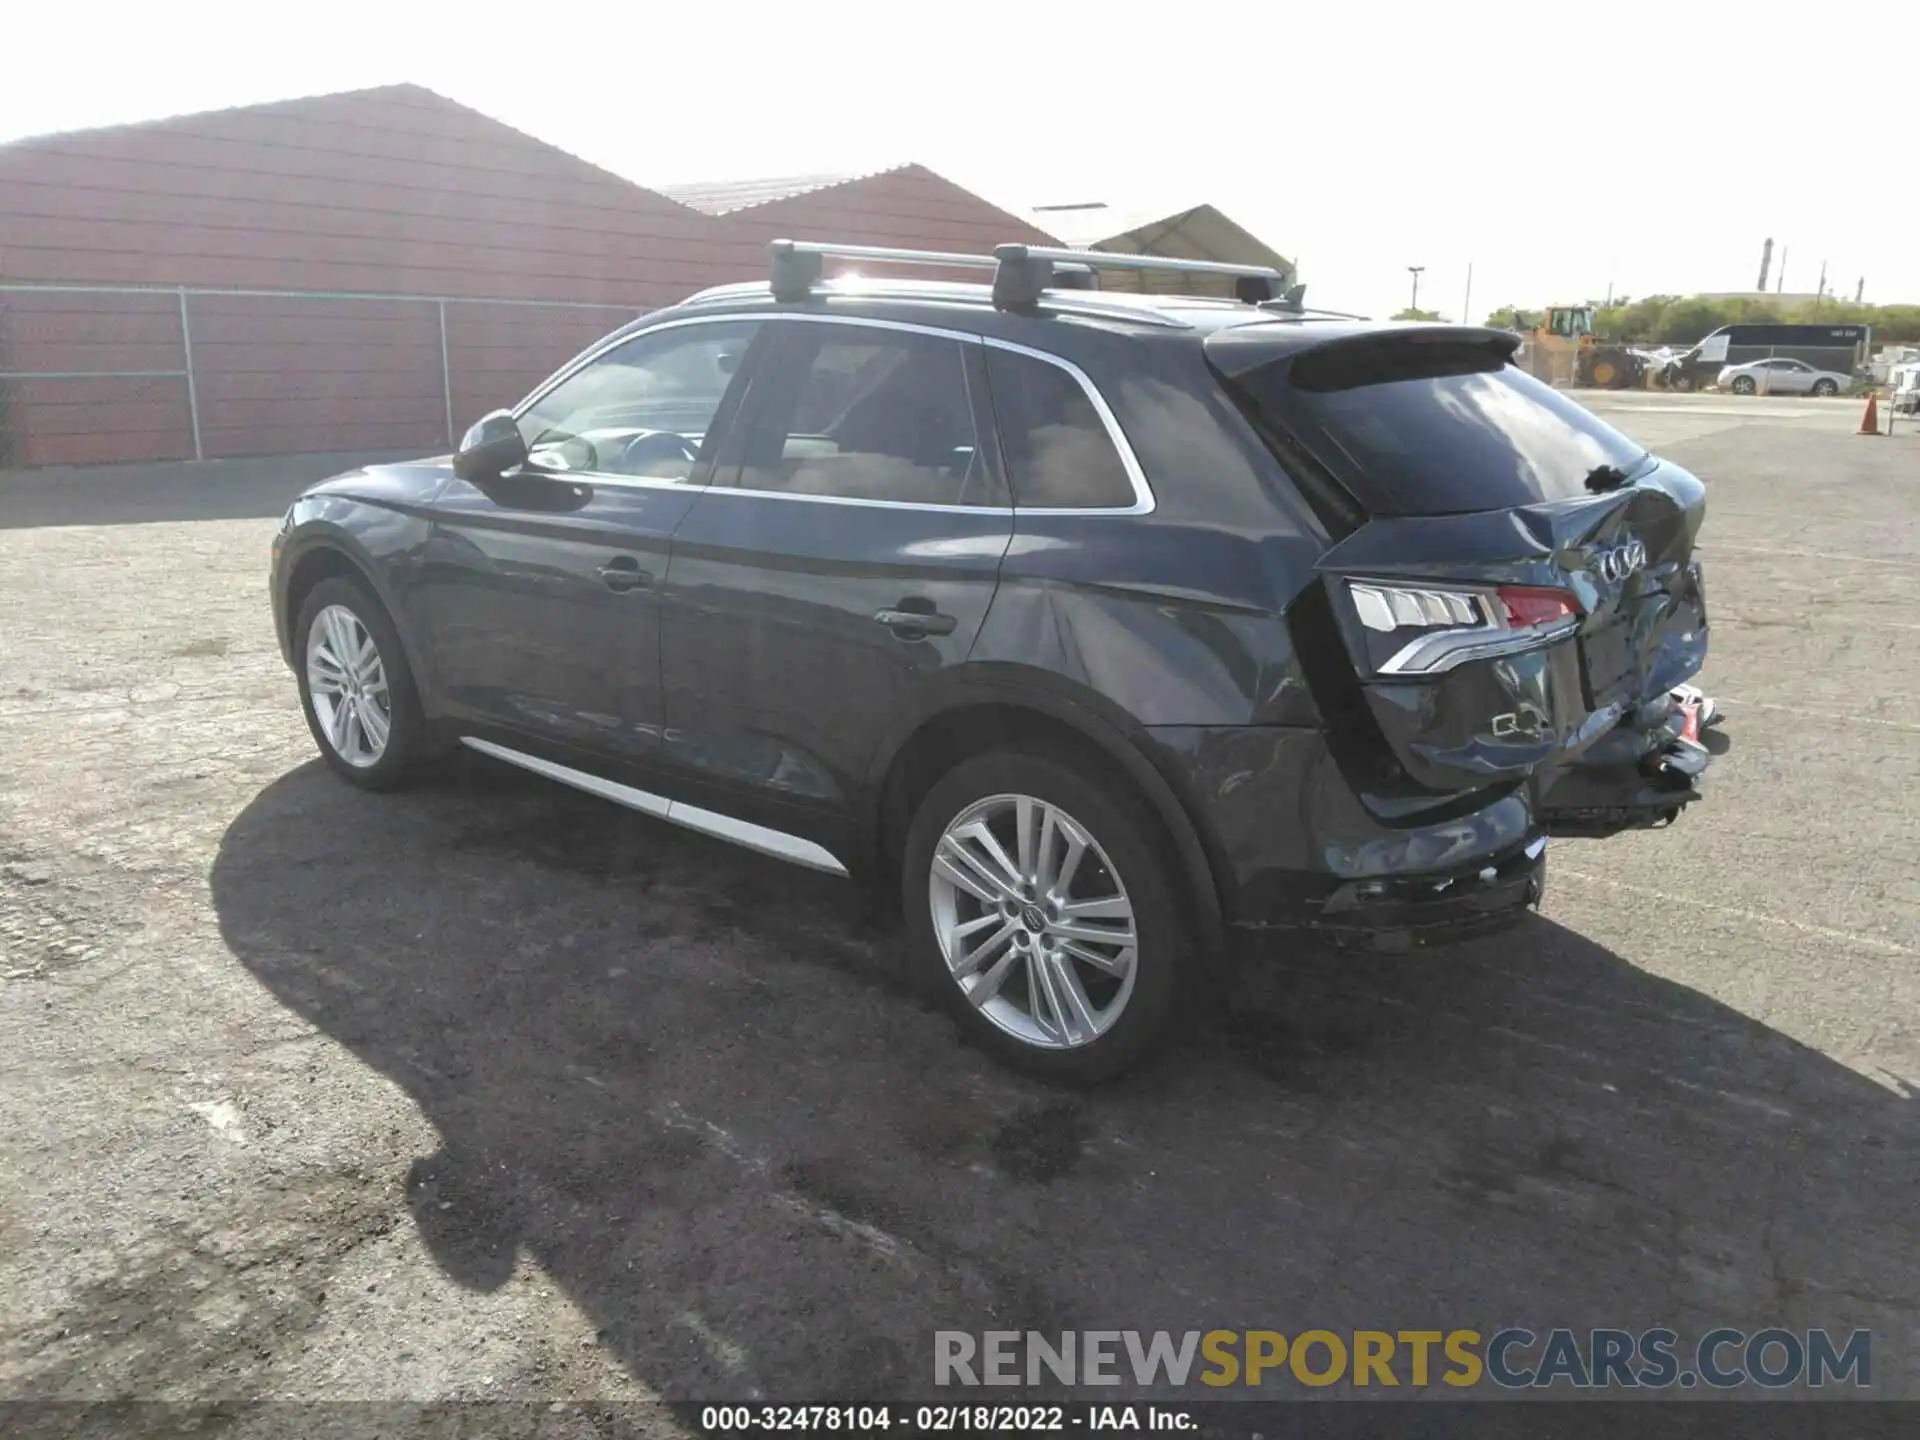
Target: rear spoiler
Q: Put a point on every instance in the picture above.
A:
(1234, 350)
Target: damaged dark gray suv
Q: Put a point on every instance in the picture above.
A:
(1114, 631)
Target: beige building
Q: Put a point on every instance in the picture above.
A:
(1201, 232)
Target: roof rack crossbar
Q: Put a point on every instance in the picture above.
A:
(797, 263)
(883, 252)
(1122, 260)
(1025, 270)
(1021, 272)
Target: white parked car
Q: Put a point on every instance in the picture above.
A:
(1904, 380)
(1782, 377)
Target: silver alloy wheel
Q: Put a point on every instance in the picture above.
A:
(1033, 921)
(348, 685)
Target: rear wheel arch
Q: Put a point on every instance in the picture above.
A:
(923, 748)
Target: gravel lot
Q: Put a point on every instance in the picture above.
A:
(492, 1089)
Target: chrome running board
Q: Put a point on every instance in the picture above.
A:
(744, 833)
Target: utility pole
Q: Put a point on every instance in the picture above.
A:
(1859, 289)
(1414, 270)
(1766, 256)
(1466, 301)
(1820, 290)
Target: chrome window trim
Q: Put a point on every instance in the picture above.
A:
(927, 505)
(601, 479)
(642, 482)
(1143, 497)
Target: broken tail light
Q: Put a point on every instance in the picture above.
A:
(1428, 629)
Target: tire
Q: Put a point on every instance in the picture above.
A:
(1107, 1016)
(1684, 384)
(408, 742)
(1824, 388)
(1743, 385)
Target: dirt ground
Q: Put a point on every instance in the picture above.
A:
(492, 1089)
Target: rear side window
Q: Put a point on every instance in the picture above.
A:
(1059, 453)
(1438, 429)
(864, 415)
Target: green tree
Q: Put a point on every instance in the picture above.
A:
(1631, 320)
(1684, 319)
(1409, 313)
(1512, 317)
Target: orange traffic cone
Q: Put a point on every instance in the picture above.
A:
(1870, 419)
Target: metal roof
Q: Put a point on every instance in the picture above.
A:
(723, 197)
(1200, 232)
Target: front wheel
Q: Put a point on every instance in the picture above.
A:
(1743, 385)
(1043, 915)
(1824, 388)
(1684, 384)
(355, 687)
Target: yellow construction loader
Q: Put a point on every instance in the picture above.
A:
(1562, 350)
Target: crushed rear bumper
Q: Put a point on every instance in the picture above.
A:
(1641, 775)
(1402, 913)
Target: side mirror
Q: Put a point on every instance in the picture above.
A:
(491, 448)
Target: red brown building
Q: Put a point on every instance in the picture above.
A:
(359, 271)
(909, 206)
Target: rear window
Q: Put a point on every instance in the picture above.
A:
(1427, 429)
(1058, 452)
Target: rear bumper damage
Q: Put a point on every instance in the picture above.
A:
(1640, 775)
(1405, 913)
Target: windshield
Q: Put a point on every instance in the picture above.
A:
(1439, 429)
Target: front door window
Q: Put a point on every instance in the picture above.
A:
(642, 409)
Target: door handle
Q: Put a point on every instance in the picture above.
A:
(622, 574)
(914, 625)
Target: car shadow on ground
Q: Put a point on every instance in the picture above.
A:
(694, 1086)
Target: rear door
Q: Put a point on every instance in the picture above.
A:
(1516, 575)
(848, 547)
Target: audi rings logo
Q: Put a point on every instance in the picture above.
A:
(1617, 564)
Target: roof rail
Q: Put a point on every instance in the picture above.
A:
(1020, 272)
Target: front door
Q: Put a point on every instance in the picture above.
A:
(848, 547)
(541, 588)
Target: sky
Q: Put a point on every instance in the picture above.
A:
(1563, 151)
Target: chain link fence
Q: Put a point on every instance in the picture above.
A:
(98, 374)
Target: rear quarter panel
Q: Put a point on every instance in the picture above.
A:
(1173, 616)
